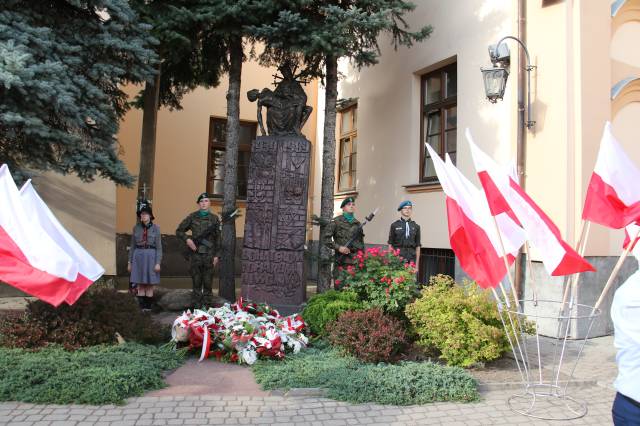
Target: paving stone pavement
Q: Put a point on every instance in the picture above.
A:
(282, 410)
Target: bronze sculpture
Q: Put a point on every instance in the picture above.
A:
(287, 108)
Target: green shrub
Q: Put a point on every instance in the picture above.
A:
(347, 379)
(382, 279)
(325, 307)
(370, 335)
(96, 375)
(94, 319)
(461, 322)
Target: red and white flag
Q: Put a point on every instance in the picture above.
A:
(89, 270)
(613, 195)
(29, 259)
(505, 195)
(472, 232)
(630, 232)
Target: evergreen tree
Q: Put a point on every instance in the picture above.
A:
(63, 64)
(318, 33)
(225, 25)
(185, 63)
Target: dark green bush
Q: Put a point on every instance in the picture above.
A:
(370, 335)
(347, 379)
(96, 375)
(461, 322)
(325, 307)
(94, 319)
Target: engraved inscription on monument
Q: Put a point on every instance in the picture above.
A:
(277, 193)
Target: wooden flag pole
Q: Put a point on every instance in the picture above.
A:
(615, 271)
(506, 265)
(585, 227)
(530, 268)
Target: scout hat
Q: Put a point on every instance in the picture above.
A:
(347, 201)
(405, 204)
(201, 196)
(144, 207)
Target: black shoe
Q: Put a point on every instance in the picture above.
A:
(147, 304)
(141, 302)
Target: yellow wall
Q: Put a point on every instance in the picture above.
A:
(181, 149)
(389, 112)
(86, 210)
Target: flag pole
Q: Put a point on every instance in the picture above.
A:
(506, 265)
(530, 268)
(615, 271)
(585, 227)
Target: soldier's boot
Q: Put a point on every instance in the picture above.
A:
(196, 296)
(207, 286)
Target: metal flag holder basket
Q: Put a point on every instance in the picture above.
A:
(547, 363)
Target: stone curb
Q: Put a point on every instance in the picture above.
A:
(574, 384)
(300, 392)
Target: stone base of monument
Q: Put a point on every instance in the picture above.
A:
(276, 222)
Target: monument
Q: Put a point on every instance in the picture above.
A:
(275, 226)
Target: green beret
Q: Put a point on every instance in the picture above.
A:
(201, 196)
(347, 201)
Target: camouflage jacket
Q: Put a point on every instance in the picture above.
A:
(198, 225)
(340, 231)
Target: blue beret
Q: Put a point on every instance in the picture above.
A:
(347, 201)
(405, 204)
(201, 196)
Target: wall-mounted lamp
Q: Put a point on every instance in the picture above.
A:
(495, 78)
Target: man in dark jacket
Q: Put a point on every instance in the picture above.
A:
(204, 247)
(404, 234)
(341, 229)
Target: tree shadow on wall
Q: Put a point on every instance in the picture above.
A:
(80, 203)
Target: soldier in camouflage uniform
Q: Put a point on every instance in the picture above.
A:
(204, 252)
(340, 230)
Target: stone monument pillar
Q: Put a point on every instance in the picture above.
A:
(277, 194)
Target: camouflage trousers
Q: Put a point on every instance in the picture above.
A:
(201, 270)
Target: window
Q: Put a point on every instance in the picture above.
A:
(217, 144)
(434, 261)
(348, 149)
(439, 118)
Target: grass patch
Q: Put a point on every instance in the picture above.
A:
(347, 379)
(93, 375)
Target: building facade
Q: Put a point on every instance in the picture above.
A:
(587, 72)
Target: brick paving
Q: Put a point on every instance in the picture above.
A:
(283, 410)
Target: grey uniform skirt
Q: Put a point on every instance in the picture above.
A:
(144, 260)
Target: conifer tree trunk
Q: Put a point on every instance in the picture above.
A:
(151, 98)
(328, 168)
(227, 261)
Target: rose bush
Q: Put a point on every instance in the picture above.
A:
(381, 278)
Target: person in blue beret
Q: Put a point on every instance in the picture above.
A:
(404, 234)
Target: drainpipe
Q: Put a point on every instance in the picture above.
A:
(521, 138)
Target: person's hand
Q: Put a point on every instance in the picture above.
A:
(128, 266)
(157, 267)
(215, 261)
(191, 245)
(344, 250)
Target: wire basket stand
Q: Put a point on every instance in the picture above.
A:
(546, 365)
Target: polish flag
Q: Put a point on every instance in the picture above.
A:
(505, 195)
(472, 232)
(89, 270)
(613, 195)
(30, 260)
(630, 231)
